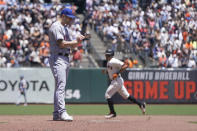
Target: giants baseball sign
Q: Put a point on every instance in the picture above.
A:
(162, 85)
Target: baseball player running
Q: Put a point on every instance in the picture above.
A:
(114, 68)
(60, 48)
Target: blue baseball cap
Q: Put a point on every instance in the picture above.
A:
(68, 12)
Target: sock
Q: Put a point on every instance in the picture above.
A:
(132, 99)
(111, 105)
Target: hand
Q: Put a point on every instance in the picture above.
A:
(127, 61)
(87, 36)
(80, 38)
(115, 75)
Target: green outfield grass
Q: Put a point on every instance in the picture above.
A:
(99, 109)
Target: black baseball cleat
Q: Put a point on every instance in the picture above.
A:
(143, 108)
(110, 115)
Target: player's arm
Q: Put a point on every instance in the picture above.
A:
(59, 37)
(123, 67)
(72, 44)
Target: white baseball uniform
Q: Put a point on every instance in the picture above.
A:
(117, 85)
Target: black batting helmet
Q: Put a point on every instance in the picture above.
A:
(109, 52)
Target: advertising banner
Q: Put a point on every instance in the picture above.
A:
(40, 85)
(89, 85)
(161, 85)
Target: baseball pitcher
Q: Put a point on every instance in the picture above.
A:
(61, 45)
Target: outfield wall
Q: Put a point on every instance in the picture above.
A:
(89, 85)
(84, 85)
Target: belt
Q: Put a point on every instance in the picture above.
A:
(62, 54)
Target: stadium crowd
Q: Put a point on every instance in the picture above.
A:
(24, 33)
(164, 31)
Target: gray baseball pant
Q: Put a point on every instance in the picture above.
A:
(60, 68)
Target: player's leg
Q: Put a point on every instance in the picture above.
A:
(55, 100)
(18, 99)
(59, 70)
(112, 112)
(25, 98)
(64, 115)
(111, 90)
(124, 93)
(141, 104)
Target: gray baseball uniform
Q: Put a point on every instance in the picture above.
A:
(59, 64)
(22, 88)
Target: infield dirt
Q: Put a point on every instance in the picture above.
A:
(99, 123)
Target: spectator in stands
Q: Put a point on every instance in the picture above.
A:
(123, 25)
(2, 61)
(24, 32)
(174, 61)
(162, 61)
(77, 56)
(2, 2)
(168, 25)
(191, 62)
